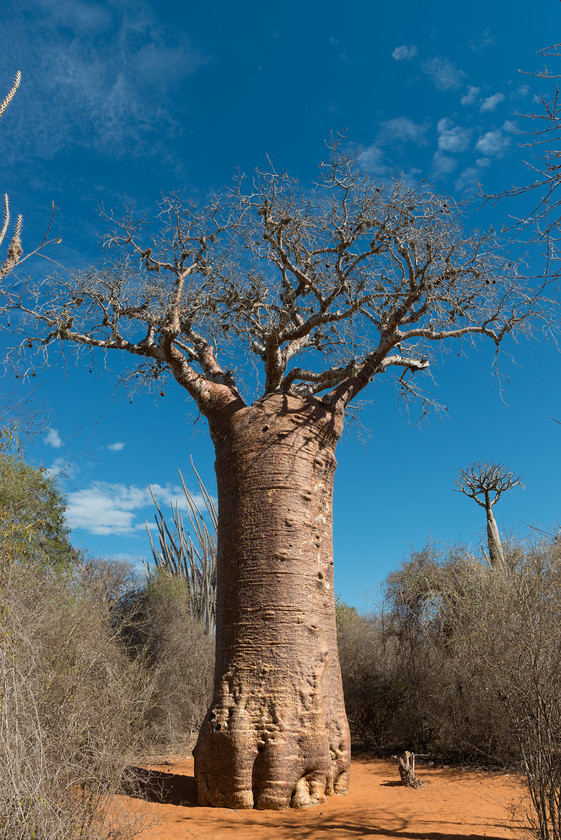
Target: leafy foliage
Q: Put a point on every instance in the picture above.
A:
(32, 512)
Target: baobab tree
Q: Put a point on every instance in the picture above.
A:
(326, 288)
(485, 484)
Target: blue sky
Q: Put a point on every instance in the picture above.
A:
(122, 101)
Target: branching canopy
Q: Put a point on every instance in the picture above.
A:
(326, 287)
(485, 483)
(543, 148)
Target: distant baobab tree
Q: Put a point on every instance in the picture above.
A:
(485, 484)
(321, 288)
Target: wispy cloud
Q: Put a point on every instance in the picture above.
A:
(96, 74)
(405, 53)
(452, 138)
(116, 447)
(491, 102)
(105, 508)
(471, 96)
(402, 129)
(61, 468)
(442, 165)
(53, 438)
(521, 92)
(373, 159)
(445, 74)
(483, 41)
(493, 143)
(468, 179)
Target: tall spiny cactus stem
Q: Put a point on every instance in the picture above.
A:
(10, 95)
(191, 559)
(6, 218)
(15, 249)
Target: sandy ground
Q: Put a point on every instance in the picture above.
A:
(453, 805)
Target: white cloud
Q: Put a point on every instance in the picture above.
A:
(372, 159)
(116, 447)
(493, 143)
(452, 138)
(445, 74)
(405, 53)
(98, 74)
(442, 165)
(402, 129)
(468, 179)
(521, 92)
(471, 96)
(80, 17)
(491, 102)
(483, 41)
(104, 508)
(52, 438)
(61, 467)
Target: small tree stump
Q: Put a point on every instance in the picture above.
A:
(406, 766)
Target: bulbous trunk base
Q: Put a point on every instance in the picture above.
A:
(276, 735)
(269, 749)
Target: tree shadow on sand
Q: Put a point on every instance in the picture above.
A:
(158, 786)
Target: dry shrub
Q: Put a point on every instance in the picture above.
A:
(478, 652)
(70, 708)
(463, 660)
(515, 637)
(177, 655)
(431, 604)
(374, 692)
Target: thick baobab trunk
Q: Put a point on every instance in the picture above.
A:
(496, 556)
(276, 734)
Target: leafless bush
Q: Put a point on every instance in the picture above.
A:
(70, 708)
(177, 654)
(516, 640)
(486, 642)
(373, 687)
(430, 603)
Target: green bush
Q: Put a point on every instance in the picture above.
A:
(32, 523)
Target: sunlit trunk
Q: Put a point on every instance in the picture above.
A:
(276, 734)
(496, 556)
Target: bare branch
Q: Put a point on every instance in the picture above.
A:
(488, 481)
(357, 277)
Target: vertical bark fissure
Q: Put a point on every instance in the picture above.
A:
(276, 734)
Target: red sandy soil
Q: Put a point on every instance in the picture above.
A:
(455, 804)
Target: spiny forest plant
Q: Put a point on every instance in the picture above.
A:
(192, 560)
(15, 249)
